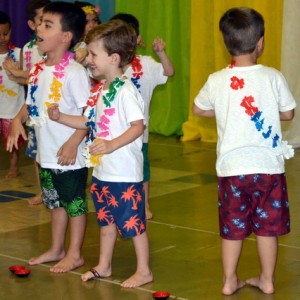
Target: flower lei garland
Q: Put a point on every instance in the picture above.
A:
(248, 103)
(104, 120)
(28, 54)
(39, 118)
(137, 72)
(11, 53)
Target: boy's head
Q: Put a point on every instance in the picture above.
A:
(92, 15)
(117, 38)
(242, 28)
(72, 19)
(5, 29)
(35, 12)
(132, 21)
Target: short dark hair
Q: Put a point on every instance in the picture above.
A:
(73, 18)
(83, 4)
(242, 27)
(4, 19)
(130, 20)
(118, 37)
(33, 5)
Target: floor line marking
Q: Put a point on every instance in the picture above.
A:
(212, 232)
(116, 282)
(164, 249)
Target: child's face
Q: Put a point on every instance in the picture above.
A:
(38, 17)
(91, 22)
(5, 33)
(98, 59)
(49, 33)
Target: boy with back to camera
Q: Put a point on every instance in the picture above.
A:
(58, 79)
(249, 100)
(116, 120)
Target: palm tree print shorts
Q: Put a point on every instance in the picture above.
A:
(61, 188)
(255, 203)
(120, 203)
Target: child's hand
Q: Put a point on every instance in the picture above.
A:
(158, 45)
(15, 131)
(53, 112)
(100, 146)
(80, 55)
(10, 67)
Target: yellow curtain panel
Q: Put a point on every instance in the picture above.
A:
(208, 53)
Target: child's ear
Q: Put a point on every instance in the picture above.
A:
(67, 37)
(115, 58)
(31, 25)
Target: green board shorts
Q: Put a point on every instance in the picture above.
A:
(65, 188)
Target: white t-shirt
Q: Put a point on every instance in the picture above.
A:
(247, 102)
(11, 93)
(153, 75)
(126, 163)
(52, 135)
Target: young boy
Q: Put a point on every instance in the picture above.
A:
(147, 74)
(115, 117)
(248, 101)
(11, 93)
(58, 79)
(30, 56)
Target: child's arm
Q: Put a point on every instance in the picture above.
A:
(17, 129)
(100, 146)
(14, 72)
(158, 46)
(77, 122)
(203, 113)
(287, 115)
(67, 153)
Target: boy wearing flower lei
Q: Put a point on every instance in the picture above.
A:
(249, 100)
(58, 79)
(116, 120)
(30, 56)
(146, 74)
(11, 93)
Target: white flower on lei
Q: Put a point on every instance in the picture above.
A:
(89, 159)
(38, 121)
(286, 150)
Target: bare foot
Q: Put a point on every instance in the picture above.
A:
(230, 287)
(137, 279)
(266, 287)
(36, 200)
(148, 213)
(67, 264)
(48, 256)
(12, 174)
(95, 273)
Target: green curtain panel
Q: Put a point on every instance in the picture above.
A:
(170, 20)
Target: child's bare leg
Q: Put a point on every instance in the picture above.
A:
(147, 207)
(38, 198)
(59, 221)
(73, 258)
(267, 250)
(108, 236)
(13, 164)
(143, 273)
(231, 251)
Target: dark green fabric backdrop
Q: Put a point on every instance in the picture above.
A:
(170, 20)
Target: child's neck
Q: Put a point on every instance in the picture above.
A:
(54, 58)
(245, 60)
(3, 49)
(111, 77)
